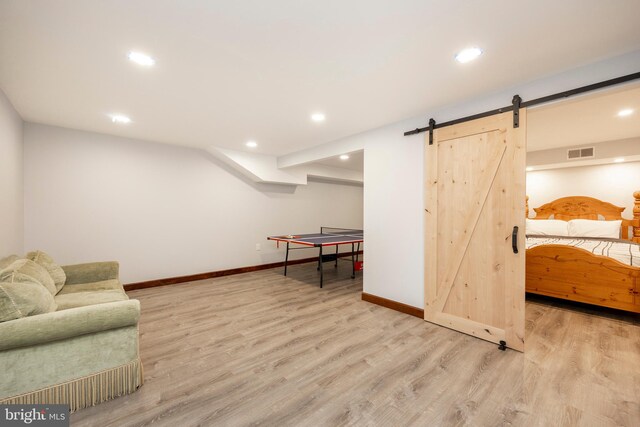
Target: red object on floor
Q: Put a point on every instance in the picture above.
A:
(359, 265)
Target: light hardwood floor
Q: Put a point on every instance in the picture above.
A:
(262, 349)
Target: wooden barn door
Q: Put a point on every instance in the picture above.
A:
(474, 196)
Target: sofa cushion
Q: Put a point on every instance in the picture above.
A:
(104, 285)
(55, 271)
(27, 271)
(6, 262)
(81, 299)
(18, 300)
(91, 272)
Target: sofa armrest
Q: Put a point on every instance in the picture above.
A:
(59, 325)
(91, 272)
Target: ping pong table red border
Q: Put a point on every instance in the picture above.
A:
(313, 245)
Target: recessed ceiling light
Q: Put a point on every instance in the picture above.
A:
(141, 59)
(344, 157)
(251, 144)
(619, 160)
(318, 117)
(626, 112)
(529, 168)
(468, 54)
(119, 118)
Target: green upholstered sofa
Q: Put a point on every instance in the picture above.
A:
(75, 344)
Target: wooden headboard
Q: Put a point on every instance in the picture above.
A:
(582, 207)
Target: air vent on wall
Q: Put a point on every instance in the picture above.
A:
(581, 153)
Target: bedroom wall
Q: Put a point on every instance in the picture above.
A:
(162, 210)
(614, 183)
(11, 181)
(604, 153)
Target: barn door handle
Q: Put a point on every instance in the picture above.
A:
(514, 239)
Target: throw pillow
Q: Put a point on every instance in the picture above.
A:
(6, 262)
(18, 300)
(55, 271)
(27, 271)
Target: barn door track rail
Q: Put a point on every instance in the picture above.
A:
(518, 103)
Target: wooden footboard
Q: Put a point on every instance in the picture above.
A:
(578, 275)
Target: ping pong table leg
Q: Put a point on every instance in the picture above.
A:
(320, 265)
(320, 259)
(336, 266)
(286, 259)
(353, 261)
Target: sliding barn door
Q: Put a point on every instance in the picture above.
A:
(474, 196)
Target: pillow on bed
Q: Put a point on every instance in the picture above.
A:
(595, 228)
(547, 227)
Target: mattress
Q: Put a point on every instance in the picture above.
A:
(623, 251)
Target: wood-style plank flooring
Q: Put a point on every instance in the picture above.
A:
(262, 349)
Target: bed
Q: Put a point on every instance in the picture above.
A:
(603, 272)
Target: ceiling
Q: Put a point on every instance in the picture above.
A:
(355, 161)
(230, 71)
(586, 119)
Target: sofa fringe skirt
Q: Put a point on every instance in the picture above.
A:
(87, 391)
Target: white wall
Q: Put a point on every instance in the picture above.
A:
(393, 170)
(393, 217)
(614, 183)
(11, 186)
(162, 210)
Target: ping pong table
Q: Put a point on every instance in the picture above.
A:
(328, 236)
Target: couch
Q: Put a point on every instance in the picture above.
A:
(69, 336)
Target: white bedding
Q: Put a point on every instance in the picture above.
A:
(621, 250)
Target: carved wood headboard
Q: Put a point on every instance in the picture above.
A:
(582, 207)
